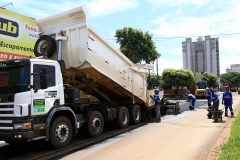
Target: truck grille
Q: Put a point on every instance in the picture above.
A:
(6, 115)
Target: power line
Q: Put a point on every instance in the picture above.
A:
(169, 38)
(7, 4)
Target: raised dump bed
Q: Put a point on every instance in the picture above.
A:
(92, 63)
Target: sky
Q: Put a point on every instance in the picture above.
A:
(169, 21)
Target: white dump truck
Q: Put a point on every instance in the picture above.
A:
(39, 96)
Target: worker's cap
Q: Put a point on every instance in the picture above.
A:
(207, 88)
(226, 87)
(156, 91)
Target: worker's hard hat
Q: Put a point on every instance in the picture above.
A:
(207, 88)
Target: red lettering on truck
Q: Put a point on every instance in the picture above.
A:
(31, 28)
(74, 13)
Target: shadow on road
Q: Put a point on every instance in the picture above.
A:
(219, 122)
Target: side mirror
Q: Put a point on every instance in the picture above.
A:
(43, 78)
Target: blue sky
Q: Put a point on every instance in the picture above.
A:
(162, 18)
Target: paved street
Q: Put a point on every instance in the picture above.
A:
(187, 136)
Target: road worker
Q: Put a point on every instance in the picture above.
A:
(156, 98)
(209, 97)
(227, 101)
(215, 101)
(192, 99)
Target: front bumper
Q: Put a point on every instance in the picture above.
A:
(14, 135)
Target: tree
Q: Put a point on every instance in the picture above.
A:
(210, 78)
(177, 78)
(231, 77)
(136, 45)
(153, 80)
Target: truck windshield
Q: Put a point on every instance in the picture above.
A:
(14, 79)
(202, 85)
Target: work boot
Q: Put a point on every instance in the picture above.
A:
(226, 115)
(159, 121)
(190, 107)
(232, 115)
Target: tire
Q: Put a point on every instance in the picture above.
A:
(144, 116)
(209, 115)
(122, 119)
(45, 44)
(95, 123)
(60, 132)
(150, 114)
(135, 114)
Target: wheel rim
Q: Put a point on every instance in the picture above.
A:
(62, 132)
(96, 124)
(137, 114)
(124, 117)
(42, 46)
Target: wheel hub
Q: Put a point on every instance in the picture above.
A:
(42, 46)
(137, 115)
(62, 132)
(124, 117)
(96, 124)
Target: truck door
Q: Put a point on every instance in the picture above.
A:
(43, 99)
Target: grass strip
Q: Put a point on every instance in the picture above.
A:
(231, 149)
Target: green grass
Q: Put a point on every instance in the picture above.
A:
(231, 149)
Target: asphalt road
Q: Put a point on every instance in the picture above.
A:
(187, 136)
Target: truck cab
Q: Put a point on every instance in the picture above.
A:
(31, 92)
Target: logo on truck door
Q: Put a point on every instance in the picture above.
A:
(38, 105)
(8, 27)
(50, 94)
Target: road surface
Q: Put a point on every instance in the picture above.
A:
(187, 136)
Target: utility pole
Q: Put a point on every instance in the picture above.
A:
(7, 5)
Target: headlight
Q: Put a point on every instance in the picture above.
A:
(27, 125)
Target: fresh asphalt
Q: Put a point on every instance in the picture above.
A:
(199, 104)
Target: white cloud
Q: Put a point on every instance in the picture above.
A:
(164, 63)
(40, 9)
(104, 7)
(218, 22)
(175, 51)
(158, 3)
(158, 20)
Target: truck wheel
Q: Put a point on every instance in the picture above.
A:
(150, 114)
(135, 113)
(144, 115)
(122, 117)
(45, 44)
(60, 132)
(95, 123)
